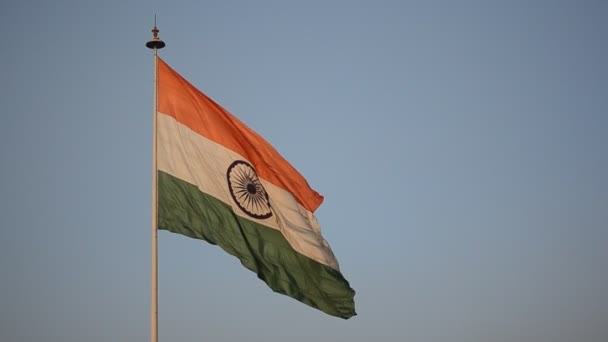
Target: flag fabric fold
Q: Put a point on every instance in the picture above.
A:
(221, 182)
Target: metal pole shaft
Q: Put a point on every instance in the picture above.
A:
(154, 273)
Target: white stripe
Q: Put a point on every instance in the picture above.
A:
(197, 160)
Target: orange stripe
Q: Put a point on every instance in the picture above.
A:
(189, 106)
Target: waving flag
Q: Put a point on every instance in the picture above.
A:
(221, 182)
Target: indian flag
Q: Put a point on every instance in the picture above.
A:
(221, 182)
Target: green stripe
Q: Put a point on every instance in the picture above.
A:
(184, 209)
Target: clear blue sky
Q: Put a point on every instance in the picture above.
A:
(461, 149)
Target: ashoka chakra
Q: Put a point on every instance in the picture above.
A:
(247, 190)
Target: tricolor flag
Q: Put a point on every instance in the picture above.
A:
(221, 182)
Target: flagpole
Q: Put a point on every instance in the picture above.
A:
(154, 44)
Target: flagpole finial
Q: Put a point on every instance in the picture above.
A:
(155, 43)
